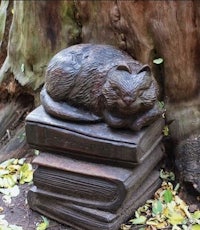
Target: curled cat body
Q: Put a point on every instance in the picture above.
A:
(91, 83)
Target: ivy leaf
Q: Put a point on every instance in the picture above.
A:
(158, 61)
(167, 196)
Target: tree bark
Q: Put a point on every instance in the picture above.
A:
(37, 32)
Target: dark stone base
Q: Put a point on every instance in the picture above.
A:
(90, 176)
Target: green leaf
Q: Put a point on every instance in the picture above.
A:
(157, 207)
(139, 220)
(158, 61)
(168, 196)
(161, 104)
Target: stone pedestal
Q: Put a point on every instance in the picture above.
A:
(89, 176)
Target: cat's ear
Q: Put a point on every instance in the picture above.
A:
(144, 68)
(124, 67)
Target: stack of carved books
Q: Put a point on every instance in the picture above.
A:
(89, 176)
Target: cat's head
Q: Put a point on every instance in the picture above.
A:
(128, 92)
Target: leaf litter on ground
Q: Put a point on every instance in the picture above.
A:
(12, 173)
(166, 211)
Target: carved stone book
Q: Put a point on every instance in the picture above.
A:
(94, 141)
(95, 195)
(81, 217)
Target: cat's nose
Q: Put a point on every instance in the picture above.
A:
(128, 100)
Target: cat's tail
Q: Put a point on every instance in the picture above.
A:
(64, 111)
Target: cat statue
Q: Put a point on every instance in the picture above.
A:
(93, 83)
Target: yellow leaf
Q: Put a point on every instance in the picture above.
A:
(166, 130)
(176, 218)
(44, 225)
(26, 173)
(156, 223)
(13, 168)
(196, 227)
(196, 215)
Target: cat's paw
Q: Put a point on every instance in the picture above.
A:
(147, 118)
(137, 125)
(113, 121)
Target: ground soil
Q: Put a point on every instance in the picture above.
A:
(18, 213)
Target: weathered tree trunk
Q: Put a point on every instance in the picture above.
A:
(38, 30)
(145, 29)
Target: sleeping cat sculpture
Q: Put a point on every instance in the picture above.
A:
(91, 83)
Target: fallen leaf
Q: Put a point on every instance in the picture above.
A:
(26, 173)
(175, 218)
(196, 227)
(158, 61)
(196, 214)
(167, 196)
(43, 225)
(139, 220)
(157, 207)
(165, 175)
